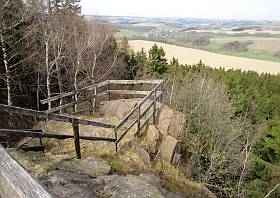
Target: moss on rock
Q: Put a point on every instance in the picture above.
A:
(177, 183)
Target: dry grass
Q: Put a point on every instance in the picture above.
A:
(191, 56)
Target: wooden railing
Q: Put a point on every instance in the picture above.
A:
(154, 95)
(15, 180)
(62, 118)
(94, 92)
(156, 92)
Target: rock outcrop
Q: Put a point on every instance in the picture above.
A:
(162, 138)
(87, 178)
(141, 168)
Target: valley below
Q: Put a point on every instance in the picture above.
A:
(192, 56)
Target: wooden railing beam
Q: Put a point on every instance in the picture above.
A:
(138, 120)
(125, 132)
(15, 181)
(155, 107)
(133, 82)
(139, 104)
(34, 134)
(146, 121)
(44, 115)
(91, 87)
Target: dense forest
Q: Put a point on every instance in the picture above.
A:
(48, 48)
(231, 142)
(232, 138)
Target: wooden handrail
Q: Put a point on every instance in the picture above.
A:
(124, 92)
(125, 132)
(121, 123)
(16, 181)
(133, 82)
(71, 104)
(76, 121)
(140, 115)
(91, 87)
(149, 106)
(49, 116)
(146, 121)
(37, 134)
(129, 92)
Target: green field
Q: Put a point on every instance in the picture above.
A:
(217, 47)
(276, 36)
(216, 42)
(124, 32)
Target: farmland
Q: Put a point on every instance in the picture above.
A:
(261, 48)
(126, 33)
(266, 45)
(191, 56)
(262, 37)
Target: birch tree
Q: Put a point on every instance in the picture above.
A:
(12, 25)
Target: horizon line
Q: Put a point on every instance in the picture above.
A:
(180, 17)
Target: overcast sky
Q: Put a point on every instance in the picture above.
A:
(217, 9)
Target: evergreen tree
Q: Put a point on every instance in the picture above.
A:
(131, 68)
(157, 62)
(141, 59)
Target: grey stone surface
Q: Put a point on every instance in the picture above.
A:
(93, 166)
(130, 186)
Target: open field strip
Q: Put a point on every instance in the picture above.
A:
(266, 45)
(191, 56)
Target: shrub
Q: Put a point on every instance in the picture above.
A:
(213, 142)
(237, 46)
(277, 54)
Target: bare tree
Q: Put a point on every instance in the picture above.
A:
(12, 17)
(216, 145)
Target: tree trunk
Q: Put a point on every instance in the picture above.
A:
(60, 84)
(7, 69)
(93, 66)
(48, 69)
(76, 83)
(38, 91)
(172, 90)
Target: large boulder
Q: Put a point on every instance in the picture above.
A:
(169, 121)
(168, 148)
(131, 158)
(88, 148)
(118, 108)
(151, 138)
(164, 136)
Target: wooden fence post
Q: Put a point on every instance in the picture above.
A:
(162, 89)
(155, 107)
(75, 126)
(138, 120)
(95, 99)
(116, 147)
(73, 99)
(109, 94)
